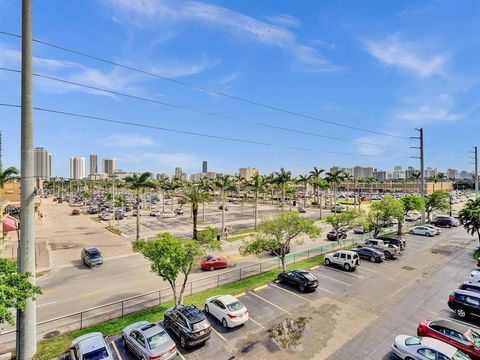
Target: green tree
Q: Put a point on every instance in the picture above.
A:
(410, 203)
(194, 195)
(335, 178)
(7, 175)
(314, 177)
(470, 217)
(282, 179)
(275, 235)
(207, 186)
(383, 212)
(224, 183)
(342, 219)
(416, 176)
(304, 181)
(370, 180)
(257, 183)
(437, 200)
(138, 184)
(441, 177)
(15, 290)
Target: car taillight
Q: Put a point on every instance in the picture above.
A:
(395, 345)
(232, 316)
(451, 298)
(155, 357)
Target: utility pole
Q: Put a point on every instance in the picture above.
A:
(27, 318)
(475, 162)
(422, 167)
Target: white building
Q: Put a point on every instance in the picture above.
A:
(109, 166)
(42, 163)
(77, 167)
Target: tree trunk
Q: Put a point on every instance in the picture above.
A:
(305, 197)
(223, 214)
(195, 215)
(320, 203)
(400, 228)
(256, 208)
(284, 265)
(138, 216)
(203, 209)
(174, 291)
(163, 201)
(283, 198)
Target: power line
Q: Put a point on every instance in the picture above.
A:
(206, 90)
(185, 108)
(192, 133)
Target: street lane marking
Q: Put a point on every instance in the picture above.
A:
(345, 272)
(327, 291)
(240, 295)
(180, 354)
(220, 335)
(256, 322)
(332, 279)
(48, 303)
(48, 291)
(367, 269)
(116, 350)
(291, 292)
(260, 287)
(315, 267)
(278, 307)
(92, 293)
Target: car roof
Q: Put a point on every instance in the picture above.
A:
(191, 312)
(151, 329)
(227, 299)
(89, 342)
(438, 345)
(91, 249)
(474, 284)
(451, 325)
(346, 252)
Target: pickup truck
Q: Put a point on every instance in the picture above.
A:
(400, 242)
(390, 251)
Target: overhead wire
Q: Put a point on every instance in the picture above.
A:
(206, 90)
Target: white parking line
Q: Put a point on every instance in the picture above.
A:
(278, 307)
(291, 292)
(454, 320)
(367, 269)
(345, 272)
(48, 303)
(332, 279)
(219, 335)
(180, 354)
(116, 350)
(256, 322)
(327, 291)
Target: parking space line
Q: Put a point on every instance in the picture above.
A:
(291, 292)
(116, 350)
(315, 267)
(345, 272)
(278, 307)
(220, 335)
(180, 354)
(256, 322)
(240, 295)
(367, 269)
(260, 287)
(327, 291)
(332, 279)
(454, 320)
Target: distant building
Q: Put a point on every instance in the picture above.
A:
(429, 172)
(161, 176)
(452, 174)
(248, 173)
(397, 168)
(348, 171)
(380, 175)
(93, 165)
(178, 172)
(77, 167)
(362, 172)
(109, 166)
(204, 167)
(121, 174)
(409, 172)
(42, 164)
(464, 174)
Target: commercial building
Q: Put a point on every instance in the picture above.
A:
(204, 167)
(362, 172)
(248, 173)
(77, 167)
(380, 175)
(109, 166)
(347, 171)
(464, 174)
(452, 174)
(42, 164)
(93, 165)
(121, 174)
(161, 176)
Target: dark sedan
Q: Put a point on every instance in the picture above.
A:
(337, 235)
(370, 254)
(302, 279)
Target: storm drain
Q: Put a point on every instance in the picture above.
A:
(409, 268)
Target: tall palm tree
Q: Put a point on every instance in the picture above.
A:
(7, 175)
(304, 181)
(314, 175)
(322, 185)
(239, 182)
(434, 179)
(441, 177)
(371, 180)
(139, 184)
(256, 183)
(335, 178)
(207, 186)
(282, 178)
(224, 183)
(349, 178)
(163, 184)
(194, 195)
(270, 182)
(416, 175)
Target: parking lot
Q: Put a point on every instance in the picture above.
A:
(351, 315)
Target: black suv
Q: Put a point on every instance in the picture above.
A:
(92, 257)
(444, 222)
(334, 235)
(302, 279)
(189, 324)
(464, 303)
(393, 241)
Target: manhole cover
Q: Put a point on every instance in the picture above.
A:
(51, 334)
(408, 268)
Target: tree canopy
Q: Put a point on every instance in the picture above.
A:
(470, 217)
(342, 219)
(383, 212)
(437, 200)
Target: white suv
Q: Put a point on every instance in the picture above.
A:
(346, 259)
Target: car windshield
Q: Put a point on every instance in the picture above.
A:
(460, 356)
(157, 339)
(96, 354)
(201, 325)
(412, 340)
(95, 254)
(309, 276)
(235, 306)
(474, 336)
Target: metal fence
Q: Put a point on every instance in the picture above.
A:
(79, 320)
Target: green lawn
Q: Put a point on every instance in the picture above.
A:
(54, 347)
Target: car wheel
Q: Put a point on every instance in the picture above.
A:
(302, 287)
(207, 310)
(411, 232)
(224, 323)
(347, 267)
(461, 313)
(388, 255)
(409, 358)
(429, 234)
(373, 259)
(183, 342)
(327, 262)
(212, 268)
(280, 279)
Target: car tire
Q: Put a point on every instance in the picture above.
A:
(347, 267)
(411, 232)
(302, 288)
(183, 342)
(461, 313)
(388, 255)
(373, 259)
(224, 323)
(207, 310)
(212, 268)
(327, 262)
(429, 234)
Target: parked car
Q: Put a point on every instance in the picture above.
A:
(178, 211)
(422, 230)
(302, 210)
(221, 207)
(136, 212)
(90, 346)
(227, 309)
(370, 254)
(446, 221)
(155, 213)
(436, 230)
(75, 212)
(148, 341)
(470, 286)
(412, 217)
(212, 263)
(464, 303)
(461, 336)
(334, 235)
(189, 324)
(390, 251)
(348, 260)
(401, 243)
(168, 214)
(474, 276)
(425, 348)
(302, 279)
(119, 215)
(359, 230)
(92, 257)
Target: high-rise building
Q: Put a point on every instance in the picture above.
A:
(42, 163)
(397, 168)
(204, 167)
(347, 171)
(161, 176)
(93, 164)
(362, 172)
(380, 175)
(77, 167)
(452, 174)
(464, 174)
(178, 172)
(248, 173)
(109, 166)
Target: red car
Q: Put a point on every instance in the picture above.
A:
(212, 263)
(461, 336)
(75, 212)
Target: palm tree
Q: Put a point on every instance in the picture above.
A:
(257, 183)
(194, 195)
(314, 175)
(139, 184)
(7, 175)
(239, 182)
(270, 182)
(371, 180)
(163, 184)
(416, 175)
(207, 186)
(282, 178)
(441, 177)
(224, 183)
(348, 178)
(303, 180)
(321, 185)
(335, 178)
(434, 179)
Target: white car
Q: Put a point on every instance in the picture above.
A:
(412, 216)
(167, 214)
(227, 309)
(155, 213)
(346, 259)
(90, 346)
(422, 230)
(474, 276)
(425, 348)
(435, 229)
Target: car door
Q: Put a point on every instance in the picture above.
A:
(138, 342)
(222, 309)
(427, 354)
(342, 259)
(215, 308)
(336, 258)
(473, 304)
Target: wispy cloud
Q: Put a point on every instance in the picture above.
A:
(284, 20)
(243, 26)
(126, 140)
(410, 56)
(179, 69)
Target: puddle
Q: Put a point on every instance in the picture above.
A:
(289, 333)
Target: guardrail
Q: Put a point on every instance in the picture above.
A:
(79, 320)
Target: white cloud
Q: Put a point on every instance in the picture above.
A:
(179, 69)
(140, 11)
(407, 55)
(127, 140)
(284, 20)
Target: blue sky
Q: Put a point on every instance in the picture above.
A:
(387, 66)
